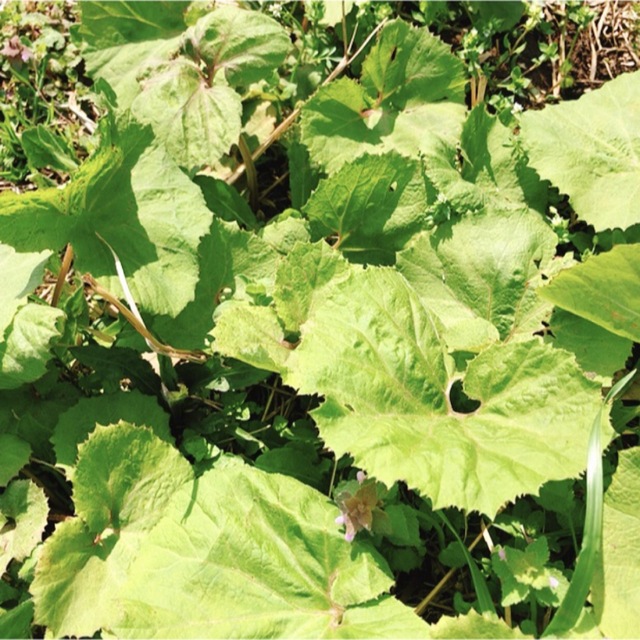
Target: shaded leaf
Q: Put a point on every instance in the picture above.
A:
(373, 204)
(604, 290)
(23, 517)
(124, 480)
(14, 454)
(78, 422)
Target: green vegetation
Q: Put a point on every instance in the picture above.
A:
(319, 320)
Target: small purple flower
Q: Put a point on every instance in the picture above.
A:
(361, 476)
(502, 554)
(553, 582)
(340, 519)
(15, 51)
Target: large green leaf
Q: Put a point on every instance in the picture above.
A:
(245, 545)
(198, 123)
(226, 254)
(135, 197)
(494, 283)
(410, 99)
(605, 290)
(196, 112)
(590, 149)
(124, 480)
(474, 625)
(301, 278)
(14, 454)
(598, 351)
(23, 517)
(78, 422)
(387, 379)
(374, 205)
(122, 39)
(26, 331)
(22, 273)
(24, 351)
(621, 549)
(247, 45)
(493, 174)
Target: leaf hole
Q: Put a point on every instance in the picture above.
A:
(393, 186)
(459, 401)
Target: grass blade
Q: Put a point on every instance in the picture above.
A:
(591, 552)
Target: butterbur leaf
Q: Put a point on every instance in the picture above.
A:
(311, 583)
(605, 290)
(388, 376)
(410, 99)
(374, 205)
(197, 122)
(601, 132)
(154, 218)
(23, 517)
(122, 39)
(14, 454)
(618, 595)
(474, 625)
(247, 45)
(495, 284)
(124, 480)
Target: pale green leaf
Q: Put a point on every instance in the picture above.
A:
(374, 205)
(78, 422)
(410, 100)
(124, 477)
(225, 254)
(387, 377)
(24, 351)
(14, 454)
(494, 282)
(300, 280)
(309, 581)
(407, 67)
(110, 24)
(605, 290)
(621, 549)
(494, 174)
(248, 45)
(135, 197)
(590, 149)
(124, 480)
(122, 39)
(198, 123)
(22, 274)
(251, 334)
(474, 625)
(23, 511)
(597, 350)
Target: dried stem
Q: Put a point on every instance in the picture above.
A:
(62, 276)
(291, 118)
